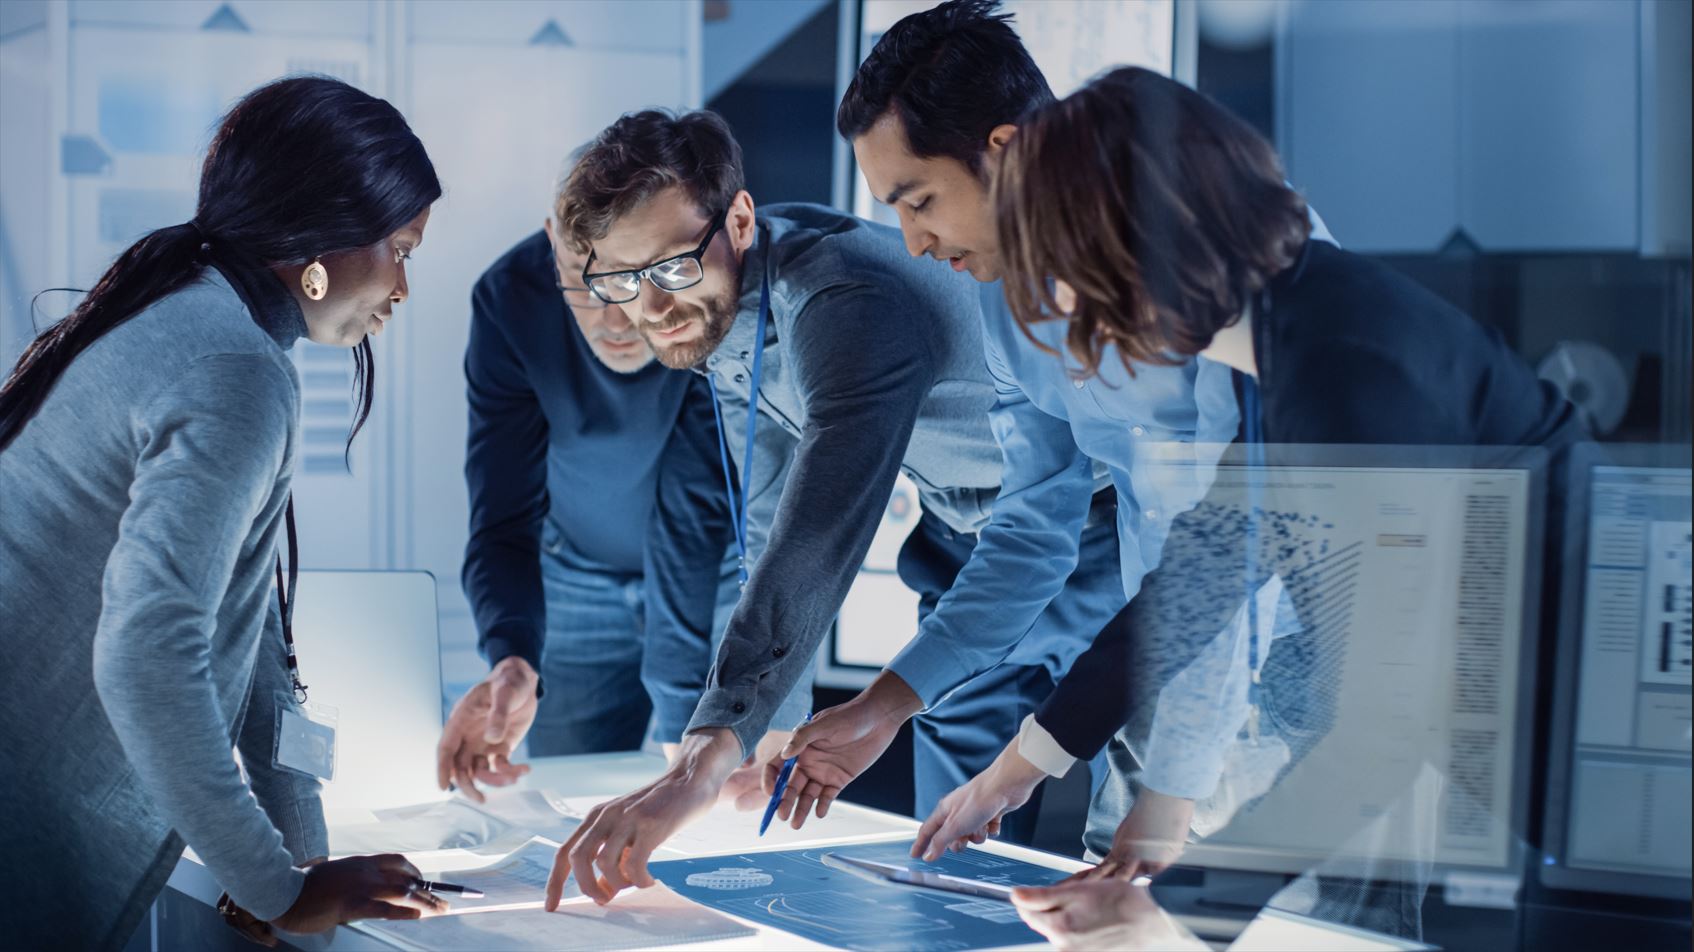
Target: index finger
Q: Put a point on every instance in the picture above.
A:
(948, 832)
(444, 753)
(561, 872)
(582, 857)
(927, 832)
(562, 859)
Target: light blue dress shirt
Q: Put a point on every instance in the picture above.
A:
(1158, 435)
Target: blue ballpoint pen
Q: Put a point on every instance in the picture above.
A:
(781, 786)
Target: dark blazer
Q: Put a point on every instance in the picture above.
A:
(1349, 351)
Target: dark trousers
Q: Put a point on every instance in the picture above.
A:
(960, 737)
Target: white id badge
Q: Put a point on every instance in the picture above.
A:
(305, 737)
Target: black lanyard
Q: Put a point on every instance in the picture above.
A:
(285, 600)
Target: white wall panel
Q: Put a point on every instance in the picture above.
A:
(655, 26)
(344, 18)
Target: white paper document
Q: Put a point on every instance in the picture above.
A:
(505, 822)
(640, 918)
(540, 813)
(514, 882)
(444, 825)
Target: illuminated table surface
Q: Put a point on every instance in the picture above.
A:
(608, 775)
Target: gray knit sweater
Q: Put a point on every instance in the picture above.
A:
(139, 517)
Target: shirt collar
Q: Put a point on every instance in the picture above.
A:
(1233, 345)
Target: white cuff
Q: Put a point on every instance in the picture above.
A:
(1039, 748)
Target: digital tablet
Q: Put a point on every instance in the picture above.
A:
(917, 879)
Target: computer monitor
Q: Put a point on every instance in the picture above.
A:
(1424, 763)
(1618, 790)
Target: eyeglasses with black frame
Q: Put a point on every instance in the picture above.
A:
(672, 274)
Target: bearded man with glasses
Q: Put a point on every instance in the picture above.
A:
(838, 357)
(574, 434)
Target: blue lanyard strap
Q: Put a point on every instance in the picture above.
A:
(1255, 472)
(738, 510)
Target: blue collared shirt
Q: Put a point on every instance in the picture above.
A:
(1057, 433)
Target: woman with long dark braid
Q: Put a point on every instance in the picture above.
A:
(147, 443)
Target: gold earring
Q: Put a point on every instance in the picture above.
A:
(315, 280)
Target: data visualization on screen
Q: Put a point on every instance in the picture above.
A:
(1629, 785)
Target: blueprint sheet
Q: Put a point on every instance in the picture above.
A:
(793, 891)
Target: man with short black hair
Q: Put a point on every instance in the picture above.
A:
(929, 113)
(943, 88)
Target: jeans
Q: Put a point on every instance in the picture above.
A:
(592, 659)
(961, 736)
(595, 701)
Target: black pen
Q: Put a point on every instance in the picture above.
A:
(464, 891)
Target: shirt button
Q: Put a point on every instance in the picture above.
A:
(1078, 383)
(746, 354)
(740, 378)
(778, 651)
(1138, 430)
(1151, 513)
(712, 361)
(738, 707)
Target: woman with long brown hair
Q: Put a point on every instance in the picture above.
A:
(1158, 228)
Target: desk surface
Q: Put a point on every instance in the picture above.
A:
(604, 775)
